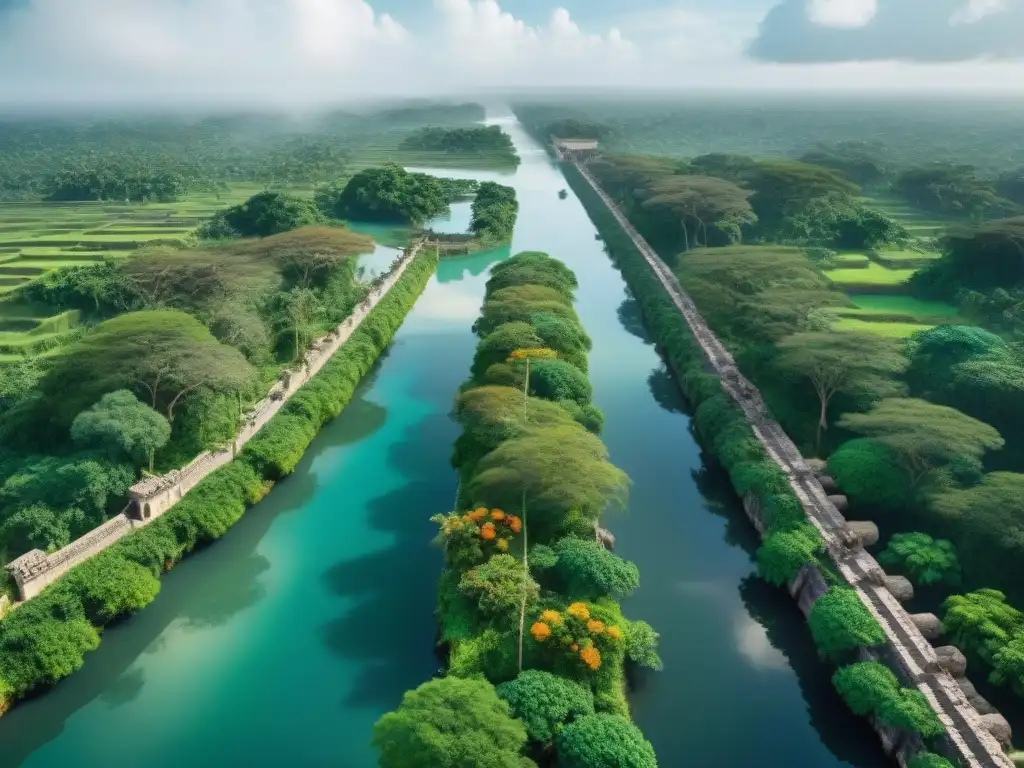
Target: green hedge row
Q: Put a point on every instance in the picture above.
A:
(46, 639)
(839, 625)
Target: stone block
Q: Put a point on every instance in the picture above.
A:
(928, 624)
(865, 530)
(900, 587)
(951, 660)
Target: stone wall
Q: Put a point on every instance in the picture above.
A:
(152, 497)
(969, 734)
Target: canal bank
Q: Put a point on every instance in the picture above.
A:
(286, 640)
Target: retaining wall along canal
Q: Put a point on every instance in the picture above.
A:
(153, 496)
(934, 672)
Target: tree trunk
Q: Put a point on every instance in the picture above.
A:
(686, 236)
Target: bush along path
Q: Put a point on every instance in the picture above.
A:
(887, 669)
(530, 629)
(47, 638)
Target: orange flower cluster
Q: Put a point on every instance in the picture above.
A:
(495, 525)
(534, 353)
(540, 631)
(614, 633)
(551, 617)
(591, 657)
(595, 627)
(579, 610)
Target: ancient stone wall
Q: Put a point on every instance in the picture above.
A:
(152, 497)
(969, 734)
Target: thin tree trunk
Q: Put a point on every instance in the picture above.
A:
(526, 564)
(686, 235)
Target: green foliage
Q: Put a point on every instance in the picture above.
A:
(922, 559)
(924, 436)
(928, 760)
(501, 342)
(590, 571)
(532, 268)
(589, 416)
(869, 688)
(981, 622)
(498, 587)
(840, 623)
(519, 304)
(558, 380)
(642, 645)
(123, 427)
(388, 193)
(785, 552)
(604, 741)
(46, 639)
(546, 702)
(451, 723)
(494, 213)
(843, 224)
(165, 354)
(490, 139)
(267, 213)
(869, 473)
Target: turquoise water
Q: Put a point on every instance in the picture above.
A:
(283, 642)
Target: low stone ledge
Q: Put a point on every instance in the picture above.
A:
(975, 699)
(999, 727)
(928, 624)
(865, 530)
(900, 587)
(840, 502)
(952, 660)
(817, 466)
(828, 485)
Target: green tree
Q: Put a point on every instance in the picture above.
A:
(494, 213)
(163, 355)
(924, 436)
(698, 202)
(922, 559)
(301, 310)
(870, 688)
(264, 214)
(451, 723)
(546, 702)
(642, 645)
(563, 471)
(865, 366)
(870, 473)
(590, 571)
(604, 741)
(498, 587)
(840, 623)
(532, 268)
(388, 193)
(981, 622)
(558, 380)
(123, 427)
(784, 553)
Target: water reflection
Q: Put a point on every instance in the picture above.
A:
(632, 320)
(665, 390)
(452, 270)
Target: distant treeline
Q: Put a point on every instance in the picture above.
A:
(163, 157)
(483, 139)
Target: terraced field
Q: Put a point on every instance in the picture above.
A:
(36, 237)
(876, 282)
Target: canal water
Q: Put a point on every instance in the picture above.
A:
(285, 641)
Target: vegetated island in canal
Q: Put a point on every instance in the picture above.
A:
(47, 638)
(530, 628)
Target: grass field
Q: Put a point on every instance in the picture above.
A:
(883, 328)
(851, 261)
(923, 311)
(867, 279)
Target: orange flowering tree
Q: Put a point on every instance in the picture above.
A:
(577, 638)
(472, 537)
(533, 353)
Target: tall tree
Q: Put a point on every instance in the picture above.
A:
(122, 426)
(866, 366)
(926, 437)
(162, 355)
(700, 201)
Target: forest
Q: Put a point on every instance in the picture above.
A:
(483, 140)
(871, 287)
(535, 641)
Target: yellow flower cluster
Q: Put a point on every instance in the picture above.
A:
(534, 353)
(579, 611)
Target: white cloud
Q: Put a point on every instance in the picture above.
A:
(842, 13)
(976, 10)
(283, 51)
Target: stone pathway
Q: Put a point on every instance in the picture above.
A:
(977, 747)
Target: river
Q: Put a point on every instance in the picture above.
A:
(285, 641)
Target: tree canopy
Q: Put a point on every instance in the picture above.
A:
(122, 426)
(604, 741)
(589, 571)
(451, 723)
(924, 436)
(546, 702)
(698, 202)
(162, 355)
(263, 214)
(387, 193)
(922, 559)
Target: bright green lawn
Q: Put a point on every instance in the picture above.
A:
(873, 274)
(906, 305)
(891, 330)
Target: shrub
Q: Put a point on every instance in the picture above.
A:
(870, 473)
(558, 380)
(839, 623)
(869, 688)
(590, 571)
(546, 702)
(922, 559)
(604, 741)
(785, 552)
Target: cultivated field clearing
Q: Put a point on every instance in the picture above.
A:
(882, 328)
(866, 279)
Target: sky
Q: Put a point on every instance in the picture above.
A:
(88, 51)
